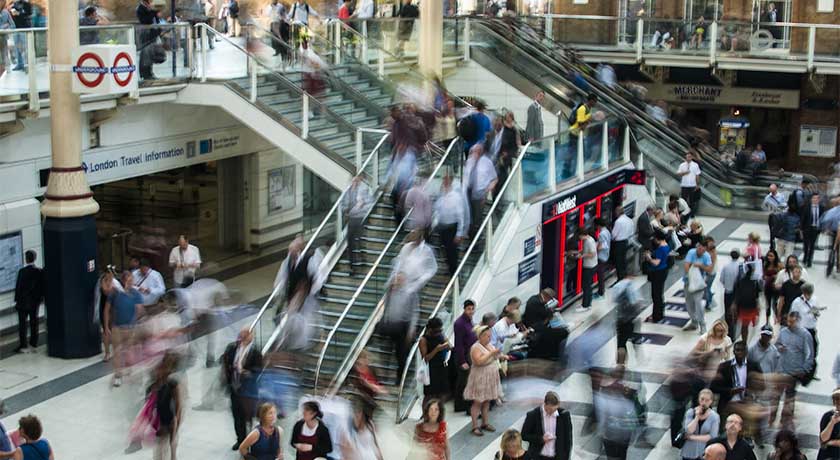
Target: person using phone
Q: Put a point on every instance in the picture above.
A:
(700, 424)
(731, 381)
(830, 429)
(434, 348)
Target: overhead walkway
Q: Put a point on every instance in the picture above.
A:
(542, 64)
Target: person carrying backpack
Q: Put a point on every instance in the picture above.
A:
(581, 115)
(474, 127)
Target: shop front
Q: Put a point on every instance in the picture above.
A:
(563, 215)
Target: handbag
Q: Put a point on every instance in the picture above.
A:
(157, 53)
(696, 282)
(679, 440)
(421, 371)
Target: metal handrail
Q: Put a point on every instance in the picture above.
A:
(484, 224)
(370, 272)
(285, 81)
(318, 230)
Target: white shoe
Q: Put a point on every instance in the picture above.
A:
(117, 382)
(690, 326)
(581, 309)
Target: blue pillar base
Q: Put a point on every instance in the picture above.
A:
(71, 274)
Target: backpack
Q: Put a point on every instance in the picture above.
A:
(233, 9)
(468, 129)
(573, 116)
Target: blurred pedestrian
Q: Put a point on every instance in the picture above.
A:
(736, 447)
(408, 13)
(299, 281)
(772, 267)
(450, 220)
(417, 199)
(830, 430)
(589, 261)
(700, 425)
(169, 403)
(627, 302)
(776, 204)
(185, 259)
(734, 379)
(483, 384)
(365, 382)
(745, 301)
(434, 349)
(548, 430)
(241, 364)
(689, 172)
(413, 267)
(730, 274)
(604, 241)
(708, 295)
(697, 265)
(263, 443)
(481, 180)
(431, 440)
(310, 437)
(360, 441)
(795, 345)
(788, 230)
(30, 289)
(811, 228)
(809, 311)
(787, 448)
(789, 290)
(121, 312)
(623, 230)
(355, 205)
(33, 446)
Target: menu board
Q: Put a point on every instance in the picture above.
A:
(11, 260)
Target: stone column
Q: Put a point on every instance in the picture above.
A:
(431, 38)
(69, 207)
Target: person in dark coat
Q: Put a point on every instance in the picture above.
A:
(310, 437)
(241, 363)
(810, 223)
(734, 377)
(29, 294)
(542, 445)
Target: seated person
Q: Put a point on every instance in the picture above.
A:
(699, 33)
(549, 329)
(758, 160)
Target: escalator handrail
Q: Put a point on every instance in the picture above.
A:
(454, 278)
(407, 68)
(285, 81)
(335, 208)
(370, 272)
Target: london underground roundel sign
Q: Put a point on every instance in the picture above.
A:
(90, 64)
(123, 68)
(104, 69)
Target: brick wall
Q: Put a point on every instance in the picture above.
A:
(586, 31)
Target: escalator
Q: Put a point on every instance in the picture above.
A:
(543, 63)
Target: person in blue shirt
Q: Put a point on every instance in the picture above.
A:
(120, 315)
(658, 273)
(698, 257)
(5, 442)
(482, 126)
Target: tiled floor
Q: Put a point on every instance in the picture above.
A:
(95, 412)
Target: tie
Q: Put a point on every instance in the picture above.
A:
(816, 212)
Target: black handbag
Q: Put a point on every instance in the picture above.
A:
(679, 440)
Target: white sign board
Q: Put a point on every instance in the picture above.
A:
(11, 260)
(817, 141)
(104, 69)
(825, 6)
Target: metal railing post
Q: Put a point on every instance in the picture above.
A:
(580, 166)
(605, 147)
(304, 129)
(640, 40)
(359, 138)
(363, 57)
(338, 24)
(640, 162)
(252, 68)
(652, 185)
(376, 167)
(467, 39)
(520, 187)
(204, 44)
(713, 37)
(32, 62)
(339, 225)
(381, 64)
(191, 49)
(552, 164)
(625, 149)
(456, 296)
(488, 239)
(135, 94)
(812, 44)
(549, 28)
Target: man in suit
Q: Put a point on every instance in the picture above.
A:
(29, 293)
(548, 430)
(646, 229)
(810, 224)
(242, 362)
(534, 125)
(733, 379)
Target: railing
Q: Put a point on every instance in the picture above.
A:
(341, 374)
(370, 167)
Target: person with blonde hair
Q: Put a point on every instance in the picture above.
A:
(510, 448)
(714, 347)
(483, 384)
(263, 443)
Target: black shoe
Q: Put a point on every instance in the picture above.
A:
(235, 446)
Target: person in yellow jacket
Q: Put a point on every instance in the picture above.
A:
(583, 115)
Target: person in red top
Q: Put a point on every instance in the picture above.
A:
(430, 435)
(345, 11)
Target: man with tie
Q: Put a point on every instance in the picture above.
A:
(242, 362)
(811, 228)
(548, 430)
(534, 126)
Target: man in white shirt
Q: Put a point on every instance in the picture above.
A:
(623, 230)
(809, 311)
(364, 9)
(689, 172)
(301, 11)
(276, 13)
(355, 205)
(604, 242)
(149, 282)
(185, 260)
(450, 220)
(298, 282)
(776, 203)
(481, 179)
(589, 260)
